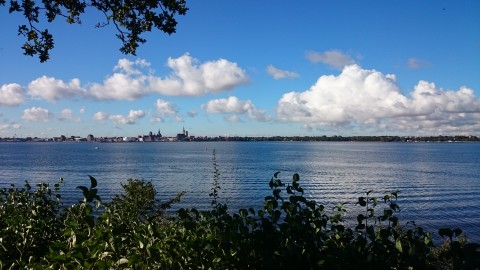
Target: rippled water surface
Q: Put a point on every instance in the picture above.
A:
(439, 183)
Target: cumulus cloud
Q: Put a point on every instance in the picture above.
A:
(189, 77)
(36, 114)
(165, 109)
(368, 98)
(119, 86)
(415, 63)
(333, 58)
(100, 116)
(233, 119)
(66, 114)
(4, 127)
(130, 119)
(52, 89)
(7, 128)
(233, 105)
(278, 74)
(192, 78)
(129, 67)
(11, 94)
(132, 80)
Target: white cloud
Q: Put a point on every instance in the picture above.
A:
(66, 114)
(130, 119)
(131, 81)
(100, 116)
(190, 78)
(52, 89)
(119, 86)
(11, 94)
(165, 109)
(7, 128)
(333, 58)
(370, 99)
(415, 63)
(233, 119)
(4, 127)
(82, 110)
(129, 66)
(36, 114)
(233, 105)
(280, 74)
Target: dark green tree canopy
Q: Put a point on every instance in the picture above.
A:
(131, 19)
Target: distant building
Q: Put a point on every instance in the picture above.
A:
(182, 136)
(90, 138)
(151, 137)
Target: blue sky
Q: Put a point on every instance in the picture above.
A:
(254, 68)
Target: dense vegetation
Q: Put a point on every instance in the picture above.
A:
(290, 232)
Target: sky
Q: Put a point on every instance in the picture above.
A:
(254, 68)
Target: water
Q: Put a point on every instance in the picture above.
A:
(439, 182)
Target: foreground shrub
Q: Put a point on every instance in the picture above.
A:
(29, 222)
(289, 232)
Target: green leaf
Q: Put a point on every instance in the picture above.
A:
(375, 201)
(398, 245)
(360, 218)
(362, 201)
(295, 185)
(93, 181)
(84, 189)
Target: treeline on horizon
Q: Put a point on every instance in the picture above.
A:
(337, 138)
(324, 138)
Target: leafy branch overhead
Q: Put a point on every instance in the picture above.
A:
(131, 18)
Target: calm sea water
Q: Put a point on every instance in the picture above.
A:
(439, 183)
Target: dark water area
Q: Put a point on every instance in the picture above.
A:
(439, 183)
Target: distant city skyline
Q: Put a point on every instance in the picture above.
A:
(253, 68)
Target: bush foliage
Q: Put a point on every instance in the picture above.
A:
(289, 232)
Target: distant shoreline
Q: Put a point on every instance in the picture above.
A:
(413, 139)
